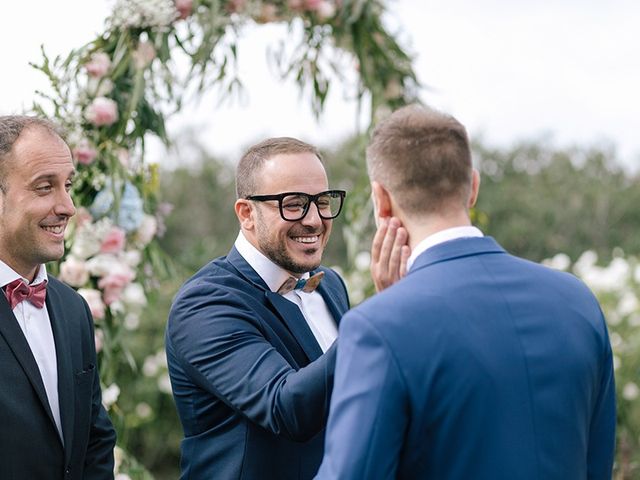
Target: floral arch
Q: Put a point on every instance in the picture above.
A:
(116, 91)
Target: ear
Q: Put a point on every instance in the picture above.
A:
(381, 200)
(244, 212)
(475, 187)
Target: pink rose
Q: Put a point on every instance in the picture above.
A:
(113, 285)
(312, 4)
(98, 337)
(114, 241)
(236, 5)
(295, 4)
(84, 152)
(144, 54)
(98, 65)
(94, 300)
(184, 7)
(326, 10)
(102, 111)
(74, 272)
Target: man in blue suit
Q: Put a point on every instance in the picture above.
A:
(477, 364)
(251, 360)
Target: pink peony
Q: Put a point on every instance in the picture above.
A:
(102, 111)
(114, 241)
(98, 65)
(295, 4)
(184, 7)
(236, 5)
(326, 10)
(312, 4)
(84, 152)
(94, 300)
(144, 54)
(74, 272)
(112, 286)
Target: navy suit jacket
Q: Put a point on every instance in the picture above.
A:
(250, 382)
(30, 447)
(476, 365)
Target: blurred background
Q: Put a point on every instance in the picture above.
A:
(547, 90)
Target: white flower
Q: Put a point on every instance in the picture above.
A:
(131, 321)
(164, 384)
(151, 366)
(143, 410)
(143, 13)
(110, 395)
(147, 230)
(74, 272)
(326, 10)
(133, 297)
(132, 258)
(616, 362)
(616, 340)
(627, 304)
(89, 237)
(630, 391)
(362, 261)
(122, 476)
(93, 298)
(561, 261)
(109, 264)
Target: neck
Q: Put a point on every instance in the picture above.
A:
(422, 227)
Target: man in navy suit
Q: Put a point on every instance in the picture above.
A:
(477, 364)
(251, 360)
(53, 425)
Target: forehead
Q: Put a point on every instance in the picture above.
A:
(293, 172)
(38, 151)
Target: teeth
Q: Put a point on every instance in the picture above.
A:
(57, 229)
(306, 239)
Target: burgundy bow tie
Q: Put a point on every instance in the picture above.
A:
(306, 285)
(18, 291)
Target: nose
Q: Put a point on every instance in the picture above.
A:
(64, 205)
(313, 216)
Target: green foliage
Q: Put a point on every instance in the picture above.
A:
(540, 200)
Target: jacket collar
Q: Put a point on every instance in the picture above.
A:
(458, 248)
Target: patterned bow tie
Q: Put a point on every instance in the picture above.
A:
(18, 291)
(306, 285)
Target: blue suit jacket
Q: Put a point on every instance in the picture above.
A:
(250, 382)
(477, 365)
(30, 447)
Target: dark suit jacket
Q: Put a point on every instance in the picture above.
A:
(477, 365)
(250, 382)
(30, 448)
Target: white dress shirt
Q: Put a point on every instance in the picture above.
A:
(441, 237)
(36, 326)
(312, 305)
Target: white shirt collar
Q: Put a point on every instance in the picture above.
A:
(272, 274)
(441, 237)
(8, 275)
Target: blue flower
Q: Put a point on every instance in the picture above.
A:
(130, 213)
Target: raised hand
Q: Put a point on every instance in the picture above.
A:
(389, 253)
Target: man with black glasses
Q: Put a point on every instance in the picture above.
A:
(250, 339)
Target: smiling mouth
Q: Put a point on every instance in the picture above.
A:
(312, 239)
(56, 229)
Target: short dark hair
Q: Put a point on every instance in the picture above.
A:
(11, 126)
(423, 158)
(252, 161)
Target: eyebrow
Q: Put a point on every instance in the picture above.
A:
(51, 177)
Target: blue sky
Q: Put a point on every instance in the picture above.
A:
(509, 70)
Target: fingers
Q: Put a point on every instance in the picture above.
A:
(389, 253)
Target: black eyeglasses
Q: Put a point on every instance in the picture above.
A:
(295, 205)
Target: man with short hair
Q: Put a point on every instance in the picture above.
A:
(53, 423)
(250, 340)
(477, 364)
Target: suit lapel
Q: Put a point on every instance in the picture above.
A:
(288, 311)
(18, 344)
(65, 369)
(331, 295)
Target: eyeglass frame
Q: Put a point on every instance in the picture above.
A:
(311, 199)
